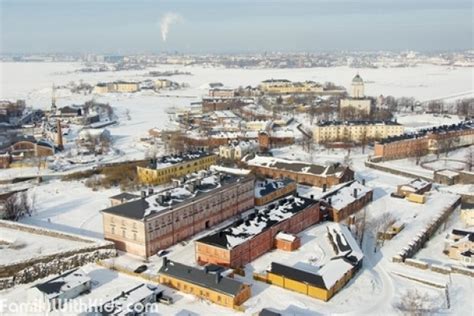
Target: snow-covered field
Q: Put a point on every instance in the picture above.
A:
(16, 245)
(71, 207)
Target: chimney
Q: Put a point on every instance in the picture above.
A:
(165, 261)
(160, 199)
(59, 135)
(363, 181)
(329, 201)
(324, 187)
(143, 194)
(206, 269)
(218, 277)
(312, 197)
(355, 192)
(150, 191)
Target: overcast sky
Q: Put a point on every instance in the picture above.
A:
(136, 26)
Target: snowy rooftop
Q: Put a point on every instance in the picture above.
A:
(347, 257)
(170, 160)
(121, 304)
(415, 185)
(195, 186)
(257, 222)
(343, 195)
(63, 283)
(465, 125)
(268, 186)
(359, 122)
(295, 166)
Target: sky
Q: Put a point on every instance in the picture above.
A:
(230, 26)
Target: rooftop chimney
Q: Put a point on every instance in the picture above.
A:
(363, 181)
(143, 194)
(324, 187)
(355, 192)
(218, 277)
(165, 261)
(150, 191)
(312, 197)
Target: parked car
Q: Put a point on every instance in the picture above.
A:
(162, 253)
(141, 269)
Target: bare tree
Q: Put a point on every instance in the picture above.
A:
(18, 206)
(414, 303)
(447, 144)
(470, 158)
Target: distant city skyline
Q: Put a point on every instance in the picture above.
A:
(229, 26)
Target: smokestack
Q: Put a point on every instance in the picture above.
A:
(324, 187)
(59, 136)
(355, 192)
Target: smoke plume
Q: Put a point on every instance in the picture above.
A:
(166, 21)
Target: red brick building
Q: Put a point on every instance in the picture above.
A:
(345, 200)
(249, 238)
(301, 172)
(437, 139)
(153, 222)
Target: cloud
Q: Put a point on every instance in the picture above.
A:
(166, 21)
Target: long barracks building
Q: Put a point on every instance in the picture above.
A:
(442, 138)
(166, 168)
(153, 222)
(249, 238)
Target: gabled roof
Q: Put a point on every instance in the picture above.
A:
(201, 278)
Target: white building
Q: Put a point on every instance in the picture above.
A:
(135, 301)
(357, 98)
(53, 293)
(238, 151)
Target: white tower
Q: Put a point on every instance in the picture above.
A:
(357, 87)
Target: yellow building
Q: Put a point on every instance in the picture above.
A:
(174, 166)
(283, 86)
(207, 283)
(467, 216)
(330, 278)
(101, 88)
(162, 83)
(355, 131)
(125, 86)
(118, 86)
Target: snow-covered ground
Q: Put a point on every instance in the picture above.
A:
(16, 245)
(375, 290)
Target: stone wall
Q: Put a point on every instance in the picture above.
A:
(376, 166)
(29, 270)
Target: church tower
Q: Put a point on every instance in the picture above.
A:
(357, 87)
(53, 100)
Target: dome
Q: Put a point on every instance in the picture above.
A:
(357, 79)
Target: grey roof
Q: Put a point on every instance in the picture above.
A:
(200, 277)
(124, 196)
(358, 122)
(140, 208)
(298, 275)
(357, 78)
